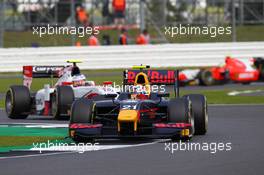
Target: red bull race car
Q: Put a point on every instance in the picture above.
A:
(140, 111)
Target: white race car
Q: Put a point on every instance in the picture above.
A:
(56, 100)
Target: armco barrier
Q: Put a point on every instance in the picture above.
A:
(166, 55)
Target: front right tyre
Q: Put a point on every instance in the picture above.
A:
(82, 111)
(180, 111)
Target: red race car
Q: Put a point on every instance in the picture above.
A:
(236, 70)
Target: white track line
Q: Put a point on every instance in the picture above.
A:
(107, 147)
(35, 155)
(98, 147)
(235, 93)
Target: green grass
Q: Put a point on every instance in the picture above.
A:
(26, 38)
(21, 137)
(221, 97)
(2, 103)
(12, 141)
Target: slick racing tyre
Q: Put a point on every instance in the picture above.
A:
(18, 102)
(82, 112)
(61, 102)
(180, 111)
(200, 111)
(259, 63)
(206, 78)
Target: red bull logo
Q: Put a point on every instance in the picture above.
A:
(155, 76)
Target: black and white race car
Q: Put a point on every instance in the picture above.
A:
(56, 100)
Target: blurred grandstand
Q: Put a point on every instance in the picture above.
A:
(21, 15)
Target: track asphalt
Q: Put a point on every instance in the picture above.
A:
(240, 126)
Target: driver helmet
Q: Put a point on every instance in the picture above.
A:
(139, 92)
(78, 80)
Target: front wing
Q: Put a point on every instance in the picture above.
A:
(158, 130)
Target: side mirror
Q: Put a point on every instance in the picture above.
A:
(110, 95)
(166, 94)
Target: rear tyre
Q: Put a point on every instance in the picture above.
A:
(82, 112)
(18, 102)
(259, 63)
(180, 111)
(200, 111)
(62, 100)
(206, 78)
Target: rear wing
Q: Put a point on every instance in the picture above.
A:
(166, 77)
(42, 71)
(156, 77)
(30, 72)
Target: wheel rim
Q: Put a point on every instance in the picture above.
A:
(9, 103)
(208, 77)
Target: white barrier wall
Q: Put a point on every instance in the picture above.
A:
(166, 55)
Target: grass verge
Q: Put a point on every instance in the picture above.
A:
(2, 103)
(222, 97)
(12, 141)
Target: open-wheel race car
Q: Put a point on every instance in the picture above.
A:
(140, 112)
(55, 100)
(236, 70)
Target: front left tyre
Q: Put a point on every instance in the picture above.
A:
(18, 102)
(200, 112)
